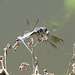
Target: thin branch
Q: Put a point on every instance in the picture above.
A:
(5, 51)
(71, 59)
(70, 64)
(26, 46)
(36, 44)
(32, 55)
(2, 63)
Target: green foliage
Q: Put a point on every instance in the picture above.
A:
(69, 6)
(54, 23)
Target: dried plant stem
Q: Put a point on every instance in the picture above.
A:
(4, 69)
(31, 51)
(2, 64)
(71, 59)
(5, 51)
(6, 72)
(26, 46)
(36, 44)
(70, 64)
(32, 55)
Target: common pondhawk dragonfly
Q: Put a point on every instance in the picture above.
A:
(40, 31)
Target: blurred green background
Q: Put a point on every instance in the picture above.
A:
(57, 15)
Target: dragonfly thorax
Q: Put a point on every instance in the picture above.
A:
(40, 29)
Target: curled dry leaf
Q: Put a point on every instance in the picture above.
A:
(24, 65)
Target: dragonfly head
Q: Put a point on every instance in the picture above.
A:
(45, 29)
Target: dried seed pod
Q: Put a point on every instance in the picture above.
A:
(39, 39)
(21, 68)
(45, 38)
(8, 45)
(0, 62)
(73, 65)
(32, 40)
(26, 68)
(16, 45)
(5, 49)
(45, 70)
(14, 49)
(24, 65)
(47, 33)
(29, 44)
(1, 57)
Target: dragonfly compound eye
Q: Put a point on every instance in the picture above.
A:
(45, 29)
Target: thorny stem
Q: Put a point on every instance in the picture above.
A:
(26, 46)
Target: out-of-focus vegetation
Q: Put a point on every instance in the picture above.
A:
(69, 6)
(54, 24)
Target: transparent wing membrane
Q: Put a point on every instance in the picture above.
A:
(55, 39)
(52, 40)
(37, 22)
(30, 27)
(27, 22)
(51, 44)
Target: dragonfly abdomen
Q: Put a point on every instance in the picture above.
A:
(25, 36)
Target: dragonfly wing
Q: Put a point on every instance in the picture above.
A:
(29, 24)
(53, 45)
(37, 22)
(55, 39)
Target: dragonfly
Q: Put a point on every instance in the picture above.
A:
(40, 31)
(36, 31)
